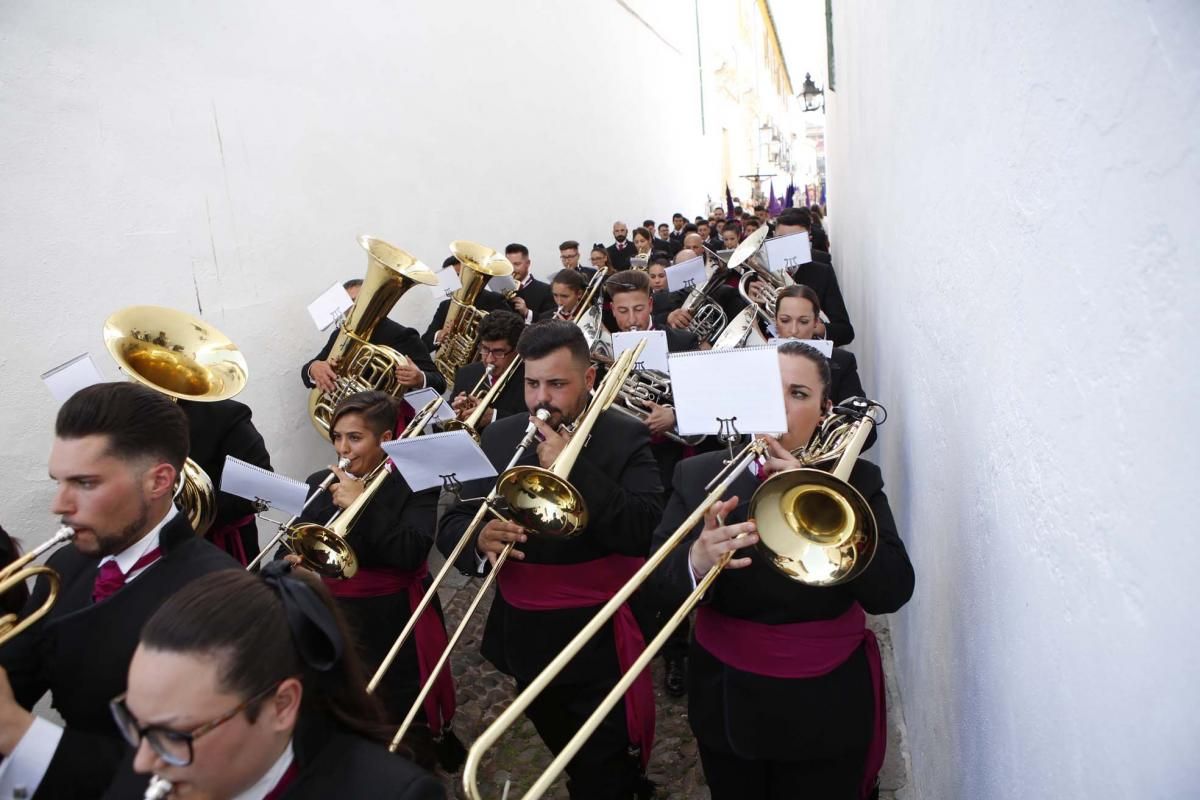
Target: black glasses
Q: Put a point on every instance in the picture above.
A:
(494, 352)
(173, 747)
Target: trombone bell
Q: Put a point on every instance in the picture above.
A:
(541, 501)
(323, 551)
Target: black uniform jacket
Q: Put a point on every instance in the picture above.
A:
(760, 717)
(537, 296)
(619, 256)
(618, 478)
(80, 652)
(821, 279)
(403, 340)
(845, 383)
(487, 301)
(220, 429)
(331, 762)
(512, 397)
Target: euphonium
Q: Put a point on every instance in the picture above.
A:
(186, 359)
(813, 526)
(750, 259)
(19, 571)
(708, 318)
(360, 365)
(647, 386)
(460, 333)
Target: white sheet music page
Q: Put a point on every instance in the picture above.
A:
(448, 283)
(686, 275)
(255, 483)
(329, 307)
(653, 356)
(788, 252)
(420, 398)
(69, 377)
(743, 385)
(427, 461)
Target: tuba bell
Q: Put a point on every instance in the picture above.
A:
(460, 333)
(360, 365)
(186, 359)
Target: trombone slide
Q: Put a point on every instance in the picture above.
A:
(285, 527)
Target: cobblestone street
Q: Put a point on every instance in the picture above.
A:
(520, 757)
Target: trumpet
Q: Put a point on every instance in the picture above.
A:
(157, 789)
(18, 572)
(814, 527)
(539, 499)
(285, 527)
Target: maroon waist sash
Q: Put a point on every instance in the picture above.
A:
(228, 537)
(549, 587)
(801, 650)
(429, 634)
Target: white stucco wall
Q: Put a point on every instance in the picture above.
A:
(1014, 203)
(225, 155)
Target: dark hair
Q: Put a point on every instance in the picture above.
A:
(690, 228)
(659, 257)
(752, 222)
(645, 234)
(378, 410)
(542, 339)
(569, 244)
(571, 278)
(139, 422)
(795, 216)
(732, 225)
(794, 348)
(630, 280)
(501, 324)
(516, 247)
(737, 210)
(647, 223)
(816, 212)
(348, 285)
(599, 248)
(238, 619)
(678, 215)
(449, 262)
(700, 219)
(799, 290)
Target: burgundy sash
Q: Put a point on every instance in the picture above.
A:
(549, 587)
(228, 537)
(429, 634)
(801, 650)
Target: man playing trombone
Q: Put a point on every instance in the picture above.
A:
(551, 585)
(498, 335)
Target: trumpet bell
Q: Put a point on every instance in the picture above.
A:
(175, 353)
(541, 501)
(323, 551)
(814, 528)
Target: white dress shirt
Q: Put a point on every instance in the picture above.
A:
(270, 779)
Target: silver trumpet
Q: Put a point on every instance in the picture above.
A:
(157, 789)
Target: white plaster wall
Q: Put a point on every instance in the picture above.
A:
(224, 156)
(1014, 203)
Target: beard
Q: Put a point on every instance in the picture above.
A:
(111, 544)
(620, 237)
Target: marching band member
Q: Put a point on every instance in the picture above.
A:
(822, 280)
(391, 540)
(117, 451)
(599, 257)
(567, 287)
(245, 687)
(499, 333)
(549, 588)
(568, 254)
(657, 271)
(533, 296)
(621, 250)
(487, 301)
(785, 692)
(419, 372)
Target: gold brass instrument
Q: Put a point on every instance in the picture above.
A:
(19, 571)
(285, 527)
(360, 365)
(541, 500)
(186, 359)
(485, 401)
(750, 259)
(460, 333)
(813, 526)
(742, 330)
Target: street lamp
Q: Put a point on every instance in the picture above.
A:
(810, 93)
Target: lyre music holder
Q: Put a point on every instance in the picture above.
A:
(728, 433)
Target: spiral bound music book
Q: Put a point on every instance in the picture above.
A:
(254, 483)
(742, 385)
(653, 356)
(788, 252)
(69, 377)
(686, 274)
(329, 307)
(436, 458)
(419, 398)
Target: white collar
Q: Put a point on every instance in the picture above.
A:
(528, 278)
(130, 555)
(270, 778)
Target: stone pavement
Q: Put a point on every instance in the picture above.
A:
(520, 756)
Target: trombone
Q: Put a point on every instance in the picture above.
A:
(484, 402)
(813, 526)
(286, 526)
(18, 572)
(539, 499)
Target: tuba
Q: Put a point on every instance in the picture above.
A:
(460, 333)
(360, 365)
(750, 259)
(186, 359)
(18, 572)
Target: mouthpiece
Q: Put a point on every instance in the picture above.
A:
(157, 789)
(542, 414)
(343, 463)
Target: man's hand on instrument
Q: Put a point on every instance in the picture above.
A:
(660, 419)
(409, 376)
(463, 405)
(519, 306)
(495, 535)
(716, 539)
(321, 373)
(346, 490)
(679, 318)
(779, 458)
(554, 442)
(14, 720)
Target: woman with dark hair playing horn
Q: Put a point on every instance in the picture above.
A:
(784, 683)
(248, 688)
(391, 540)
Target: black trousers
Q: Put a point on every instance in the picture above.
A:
(603, 769)
(732, 778)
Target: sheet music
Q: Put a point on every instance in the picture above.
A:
(419, 398)
(654, 356)
(501, 284)
(687, 274)
(69, 377)
(329, 307)
(426, 461)
(448, 283)
(788, 252)
(721, 384)
(255, 483)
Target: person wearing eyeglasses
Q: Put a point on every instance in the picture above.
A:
(498, 335)
(245, 687)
